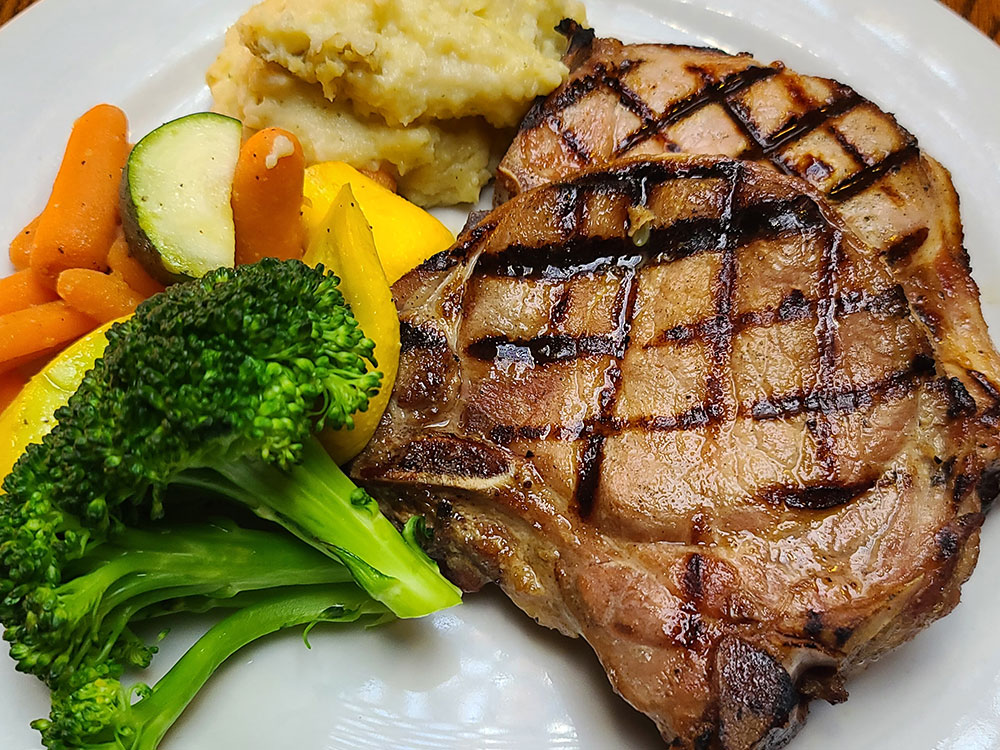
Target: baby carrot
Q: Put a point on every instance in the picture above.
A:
(30, 364)
(21, 290)
(21, 245)
(79, 222)
(98, 295)
(129, 270)
(11, 384)
(267, 196)
(34, 329)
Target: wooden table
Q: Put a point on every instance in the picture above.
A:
(985, 14)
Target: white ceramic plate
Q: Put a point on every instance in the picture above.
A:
(483, 677)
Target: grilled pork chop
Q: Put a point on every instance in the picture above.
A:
(625, 100)
(678, 408)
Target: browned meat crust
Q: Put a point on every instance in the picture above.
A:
(628, 100)
(678, 408)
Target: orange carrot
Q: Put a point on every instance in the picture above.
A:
(267, 196)
(79, 222)
(34, 329)
(21, 245)
(21, 290)
(11, 384)
(30, 364)
(35, 363)
(98, 295)
(129, 270)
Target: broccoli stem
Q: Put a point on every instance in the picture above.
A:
(317, 502)
(151, 718)
(82, 620)
(211, 559)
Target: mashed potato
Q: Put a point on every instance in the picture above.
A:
(408, 59)
(426, 89)
(435, 163)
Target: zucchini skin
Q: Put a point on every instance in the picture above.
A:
(140, 244)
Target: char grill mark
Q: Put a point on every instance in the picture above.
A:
(814, 624)
(629, 99)
(795, 307)
(588, 473)
(760, 145)
(544, 350)
(822, 402)
(984, 382)
(961, 403)
(711, 93)
(697, 416)
(850, 149)
(794, 129)
(575, 145)
(454, 255)
(559, 311)
(860, 181)
(756, 695)
(578, 36)
(826, 326)
(592, 452)
(991, 415)
(815, 497)
(947, 541)
(723, 293)
(693, 586)
(608, 77)
(580, 255)
(890, 303)
(452, 456)
(951, 538)
(833, 400)
(722, 93)
(419, 337)
(901, 250)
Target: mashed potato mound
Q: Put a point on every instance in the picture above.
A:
(412, 59)
(425, 89)
(436, 163)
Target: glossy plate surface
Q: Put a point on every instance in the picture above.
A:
(483, 676)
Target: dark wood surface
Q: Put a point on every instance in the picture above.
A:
(985, 14)
(10, 8)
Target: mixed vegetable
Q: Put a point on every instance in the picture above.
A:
(175, 196)
(185, 456)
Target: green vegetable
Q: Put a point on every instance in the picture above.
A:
(175, 196)
(84, 622)
(219, 383)
(98, 713)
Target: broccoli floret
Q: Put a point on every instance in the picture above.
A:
(97, 712)
(219, 383)
(84, 622)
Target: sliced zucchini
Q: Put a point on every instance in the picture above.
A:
(175, 196)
